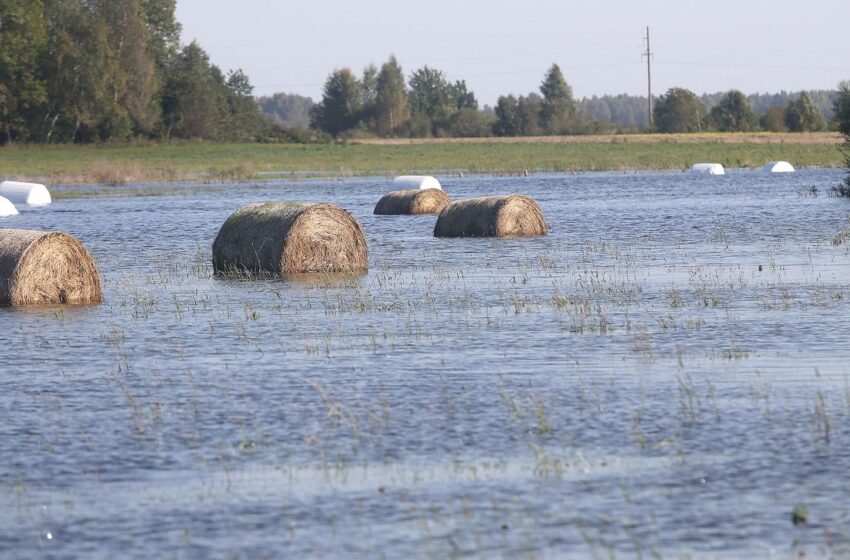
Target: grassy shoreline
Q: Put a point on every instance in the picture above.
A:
(114, 165)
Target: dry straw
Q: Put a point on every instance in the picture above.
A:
(414, 201)
(492, 216)
(40, 268)
(289, 238)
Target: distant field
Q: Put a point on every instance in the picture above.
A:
(240, 162)
(726, 138)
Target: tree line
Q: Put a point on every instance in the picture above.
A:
(383, 103)
(113, 70)
(680, 110)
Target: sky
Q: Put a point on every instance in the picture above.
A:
(501, 47)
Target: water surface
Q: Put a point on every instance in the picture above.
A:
(665, 374)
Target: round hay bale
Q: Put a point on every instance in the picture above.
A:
(41, 268)
(492, 216)
(290, 238)
(34, 194)
(414, 201)
(778, 167)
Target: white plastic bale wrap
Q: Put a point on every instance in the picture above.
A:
(778, 167)
(7, 208)
(416, 182)
(25, 193)
(708, 168)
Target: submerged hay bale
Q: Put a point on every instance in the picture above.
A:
(289, 238)
(708, 168)
(492, 216)
(38, 267)
(7, 208)
(778, 167)
(417, 182)
(414, 201)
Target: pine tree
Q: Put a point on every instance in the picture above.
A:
(558, 111)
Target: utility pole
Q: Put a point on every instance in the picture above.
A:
(648, 54)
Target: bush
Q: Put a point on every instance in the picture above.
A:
(774, 120)
(276, 134)
(470, 123)
(419, 126)
(842, 119)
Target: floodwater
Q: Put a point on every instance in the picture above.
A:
(665, 374)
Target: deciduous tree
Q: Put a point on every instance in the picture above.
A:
(23, 44)
(392, 109)
(288, 109)
(193, 97)
(802, 115)
(679, 110)
(507, 120)
(733, 113)
(774, 120)
(429, 93)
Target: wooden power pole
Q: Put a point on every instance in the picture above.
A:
(648, 55)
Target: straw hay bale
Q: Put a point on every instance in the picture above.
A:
(290, 238)
(34, 194)
(492, 216)
(38, 268)
(414, 201)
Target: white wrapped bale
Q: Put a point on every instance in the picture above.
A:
(709, 168)
(25, 193)
(778, 167)
(7, 208)
(416, 182)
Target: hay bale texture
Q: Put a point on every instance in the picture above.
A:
(492, 216)
(42, 268)
(414, 201)
(290, 238)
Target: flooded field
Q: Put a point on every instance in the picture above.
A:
(664, 375)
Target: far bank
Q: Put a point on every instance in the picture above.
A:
(111, 164)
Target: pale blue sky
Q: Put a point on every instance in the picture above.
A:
(504, 47)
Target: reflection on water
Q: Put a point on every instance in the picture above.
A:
(665, 373)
